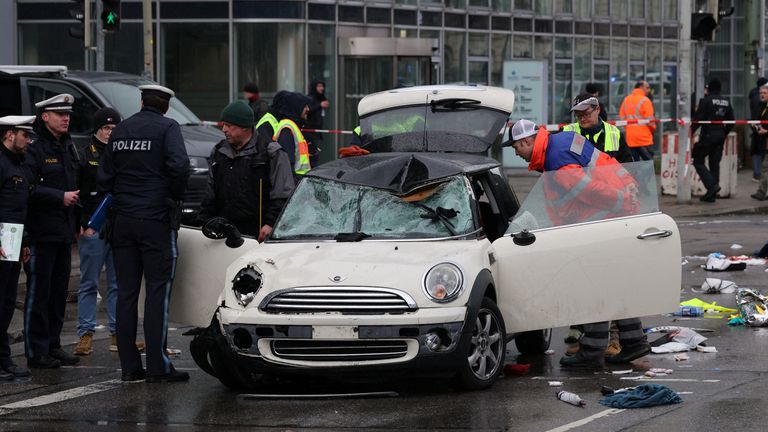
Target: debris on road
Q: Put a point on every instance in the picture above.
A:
(716, 286)
(555, 383)
(681, 357)
(516, 369)
(571, 398)
(717, 262)
(642, 396)
(753, 307)
(707, 307)
(706, 349)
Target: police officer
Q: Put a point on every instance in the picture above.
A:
(145, 166)
(51, 226)
(249, 177)
(712, 138)
(16, 133)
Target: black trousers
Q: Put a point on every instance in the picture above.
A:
(711, 150)
(47, 272)
(143, 248)
(9, 282)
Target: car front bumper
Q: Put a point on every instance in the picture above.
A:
(334, 347)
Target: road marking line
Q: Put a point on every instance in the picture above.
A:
(642, 378)
(582, 422)
(61, 396)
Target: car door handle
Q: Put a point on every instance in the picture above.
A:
(664, 233)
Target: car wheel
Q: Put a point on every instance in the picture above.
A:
(485, 351)
(533, 342)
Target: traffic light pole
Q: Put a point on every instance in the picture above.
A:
(99, 40)
(149, 63)
(684, 108)
(87, 32)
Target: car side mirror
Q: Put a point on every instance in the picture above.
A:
(218, 228)
(523, 238)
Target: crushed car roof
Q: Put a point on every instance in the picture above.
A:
(401, 173)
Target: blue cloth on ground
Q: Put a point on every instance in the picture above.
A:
(642, 396)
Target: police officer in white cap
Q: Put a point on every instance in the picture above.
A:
(51, 227)
(16, 134)
(145, 166)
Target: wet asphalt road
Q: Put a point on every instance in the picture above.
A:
(721, 391)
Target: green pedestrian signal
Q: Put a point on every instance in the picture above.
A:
(110, 15)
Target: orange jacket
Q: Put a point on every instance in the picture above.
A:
(583, 183)
(638, 106)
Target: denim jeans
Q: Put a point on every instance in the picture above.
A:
(95, 253)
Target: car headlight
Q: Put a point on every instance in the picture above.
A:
(245, 285)
(199, 165)
(443, 282)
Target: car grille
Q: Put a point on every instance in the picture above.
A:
(336, 351)
(346, 300)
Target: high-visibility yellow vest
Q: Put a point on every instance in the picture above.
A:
(612, 135)
(301, 152)
(268, 118)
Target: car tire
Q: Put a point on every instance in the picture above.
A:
(486, 349)
(533, 342)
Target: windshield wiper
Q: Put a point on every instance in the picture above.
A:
(454, 104)
(351, 237)
(441, 214)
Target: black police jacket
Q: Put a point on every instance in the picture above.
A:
(52, 167)
(145, 166)
(90, 196)
(714, 107)
(14, 187)
(240, 185)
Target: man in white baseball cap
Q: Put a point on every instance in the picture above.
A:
(522, 138)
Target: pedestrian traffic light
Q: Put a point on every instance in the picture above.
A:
(110, 15)
(703, 26)
(77, 12)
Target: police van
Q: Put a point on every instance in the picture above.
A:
(22, 86)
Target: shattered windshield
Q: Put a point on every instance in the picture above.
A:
(572, 196)
(323, 209)
(451, 125)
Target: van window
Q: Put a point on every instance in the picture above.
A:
(81, 119)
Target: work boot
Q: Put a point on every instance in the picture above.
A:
(64, 357)
(629, 353)
(758, 196)
(85, 346)
(6, 376)
(140, 345)
(43, 362)
(711, 194)
(173, 376)
(613, 348)
(138, 375)
(17, 371)
(572, 349)
(579, 361)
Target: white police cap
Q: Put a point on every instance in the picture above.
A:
(157, 90)
(59, 103)
(522, 129)
(17, 122)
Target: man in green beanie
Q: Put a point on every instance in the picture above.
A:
(249, 176)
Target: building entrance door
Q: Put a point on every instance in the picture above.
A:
(368, 65)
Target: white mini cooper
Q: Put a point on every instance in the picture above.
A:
(419, 256)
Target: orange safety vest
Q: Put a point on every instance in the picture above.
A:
(584, 184)
(637, 106)
(301, 162)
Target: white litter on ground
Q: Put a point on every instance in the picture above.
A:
(736, 246)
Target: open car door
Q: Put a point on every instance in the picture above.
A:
(573, 265)
(200, 272)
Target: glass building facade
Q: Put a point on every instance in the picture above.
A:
(207, 49)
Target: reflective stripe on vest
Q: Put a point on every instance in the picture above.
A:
(637, 115)
(356, 131)
(268, 118)
(301, 153)
(612, 135)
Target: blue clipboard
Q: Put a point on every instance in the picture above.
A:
(100, 215)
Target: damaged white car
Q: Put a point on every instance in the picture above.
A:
(419, 257)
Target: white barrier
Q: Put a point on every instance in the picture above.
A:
(728, 167)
